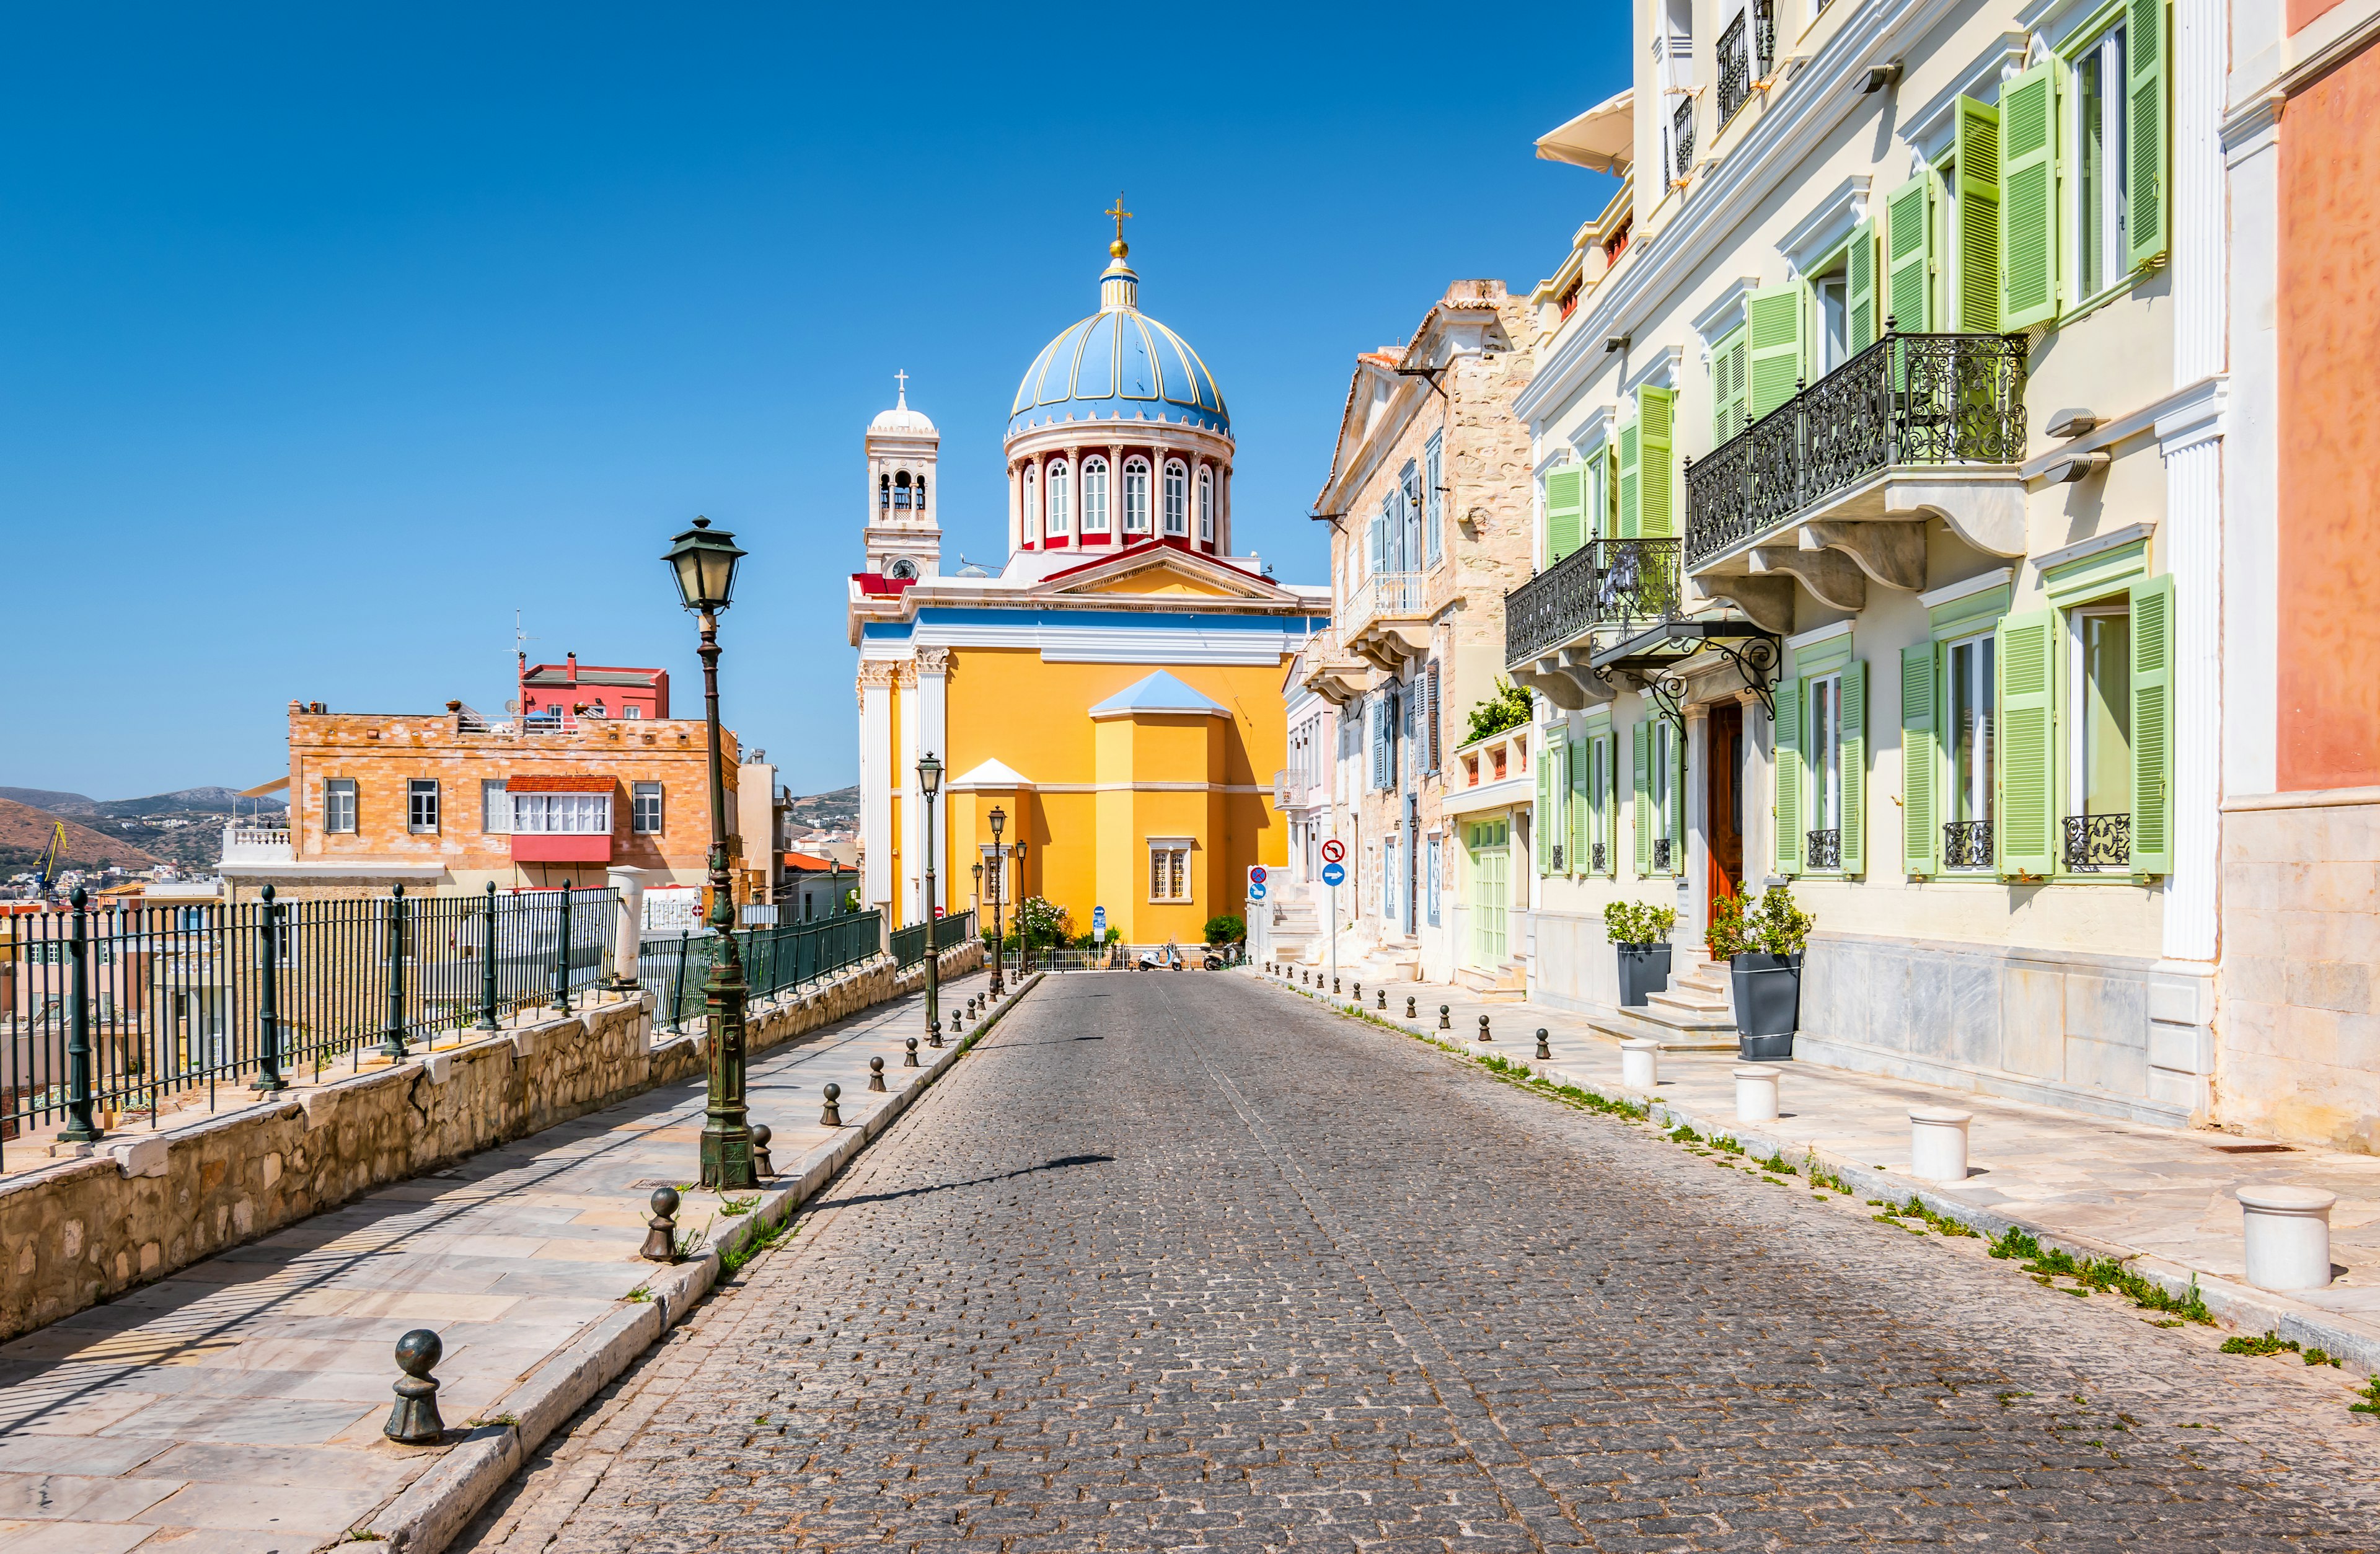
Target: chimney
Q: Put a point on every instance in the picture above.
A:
(572, 657)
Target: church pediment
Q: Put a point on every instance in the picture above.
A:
(1158, 567)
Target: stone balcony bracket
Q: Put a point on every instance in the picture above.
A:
(1563, 678)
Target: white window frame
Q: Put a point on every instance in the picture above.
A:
(495, 808)
(1060, 490)
(1173, 872)
(1094, 495)
(1177, 499)
(1657, 788)
(1135, 495)
(2110, 50)
(1824, 744)
(1433, 470)
(417, 790)
(637, 794)
(1205, 506)
(2078, 704)
(1970, 791)
(545, 814)
(339, 806)
(1029, 509)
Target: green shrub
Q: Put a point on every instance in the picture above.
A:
(1228, 928)
(1772, 925)
(1509, 707)
(1634, 922)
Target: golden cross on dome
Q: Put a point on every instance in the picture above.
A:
(1121, 215)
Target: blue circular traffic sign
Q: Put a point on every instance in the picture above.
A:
(1334, 874)
(1256, 892)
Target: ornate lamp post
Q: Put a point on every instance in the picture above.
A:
(930, 783)
(1024, 945)
(705, 562)
(999, 819)
(978, 870)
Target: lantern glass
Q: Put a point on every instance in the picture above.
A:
(999, 819)
(704, 561)
(929, 775)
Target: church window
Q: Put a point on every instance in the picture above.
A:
(1059, 491)
(1030, 508)
(1136, 497)
(1205, 506)
(901, 490)
(884, 491)
(1094, 495)
(1169, 868)
(1177, 500)
(921, 493)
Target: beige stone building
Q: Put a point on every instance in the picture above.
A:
(1428, 498)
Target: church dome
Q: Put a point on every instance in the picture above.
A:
(1118, 365)
(901, 420)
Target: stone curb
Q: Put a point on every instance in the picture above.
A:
(2243, 1305)
(428, 1514)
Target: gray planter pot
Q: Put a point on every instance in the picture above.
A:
(1644, 971)
(1767, 1004)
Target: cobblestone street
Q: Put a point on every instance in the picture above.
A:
(1174, 1261)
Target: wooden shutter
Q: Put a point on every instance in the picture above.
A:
(2147, 41)
(1975, 255)
(2026, 831)
(1565, 511)
(1657, 497)
(1379, 711)
(1631, 504)
(1773, 325)
(1921, 760)
(1677, 805)
(1432, 714)
(1788, 776)
(1606, 522)
(2152, 726)
(2029, 198)
(1541, 826)
(1855, 779)
(1581, 813)
(1909, 255)
(1640, 777)
(1731, 365)
(1859, 267)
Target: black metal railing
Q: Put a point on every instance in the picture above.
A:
(1682, 136)
(1907, 399)
(775, 960)
(1764, 37)
(1967, 845)
(1604, 582)
(1824, 849)
(183, 998)
(2097, 842)
(1559, 867)
(1661, 855)
(1734, 69)
(1596, 858)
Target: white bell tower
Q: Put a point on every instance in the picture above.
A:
(905, 539)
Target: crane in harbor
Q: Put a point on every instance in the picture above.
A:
(46, 867)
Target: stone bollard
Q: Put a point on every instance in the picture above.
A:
(1445, 1017)
(832, 1116)
(660, 1231)
(934, 1030)
(1937, 1142)
(1640, 1064)
(413, 1420)
(2286, 1234)
(1544, 1052)
(762, 1163)
(911, 1060)
(1384, 1001)
(1483, 1030)
(1756, 1094)
(1409, 1008)
(876, 1073)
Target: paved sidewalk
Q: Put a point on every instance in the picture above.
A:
(237, 1406)
(2163, 1192)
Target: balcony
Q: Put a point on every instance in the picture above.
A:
(1682, 139)
(1330, 672)
(253, 845)
(1605, 583)
(1387, 619)
(1831, 489)
(1738, 73)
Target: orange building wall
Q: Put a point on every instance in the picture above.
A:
(2302, 12)
(2328, 701)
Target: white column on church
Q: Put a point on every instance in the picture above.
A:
(1115, 493)
(876, 785)
(1015, 505)
(1075, 498)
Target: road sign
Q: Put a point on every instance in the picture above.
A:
(1334, 874)
(1098, 922)
(1256, 892)
(1257, 875)
(1334, 851)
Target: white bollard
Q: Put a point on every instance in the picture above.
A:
(2286, 1233)
(1937, 1142)
(1756, 1094)
(1640, 1064)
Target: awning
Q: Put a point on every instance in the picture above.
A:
(277, 785)
(1602, 138)
(572, 784)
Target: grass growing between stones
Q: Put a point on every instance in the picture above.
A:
(2274, 1344)
(2102, 1274)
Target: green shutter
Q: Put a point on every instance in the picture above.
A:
(2029, 198)
(1611, 813)
(1773, 323)
(1855, 767)
(1582, 817)
(1920, 760)
(1909, 255)
(1541, 821)
(2026, 833)
(1859, 266)
(1976, 148)
(1640, 773)
(2152, 726)
(1658, 493)
(1565, 511)
(2147, 42)
(1677, 805)
(1730, 366)
(1630, 503)
(1788, 776)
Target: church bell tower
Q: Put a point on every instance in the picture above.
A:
(904, 539)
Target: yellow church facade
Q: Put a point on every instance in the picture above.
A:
(1116, 691)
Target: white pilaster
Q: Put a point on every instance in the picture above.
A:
(912, 882)
(2251, 646)
(876, 786)
(1693, 905)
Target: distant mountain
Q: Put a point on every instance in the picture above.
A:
(201, 801)
(55, 803)
(25, 833)
(838, 810)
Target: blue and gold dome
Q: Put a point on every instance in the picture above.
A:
(1118, 365)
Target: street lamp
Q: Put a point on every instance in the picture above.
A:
(1024, 944)
(929, 782)
(978, 870)
(704, 562)
(999, 876)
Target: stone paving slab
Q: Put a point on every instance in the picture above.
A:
(237, 1405)
(2164, 1193)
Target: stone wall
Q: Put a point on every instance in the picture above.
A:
(77, 1232)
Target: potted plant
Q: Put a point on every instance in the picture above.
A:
(1641, 935)
(1762, 944)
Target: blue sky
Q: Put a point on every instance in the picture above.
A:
(333, 337)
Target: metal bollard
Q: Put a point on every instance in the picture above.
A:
(1384, 1001)
(561, 1004)
(1483, 1030)
(268, 999)
(1409, 1008)
(876, 1073)
(1543, 1051)
(1359, 994)
(660, 1231)
(911, 1060)
(761, 1161)
(414, 1421)
(1334, 987)
(934, 1032)
(832, 1116)
(1444, 1022)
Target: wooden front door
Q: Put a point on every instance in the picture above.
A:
(1723, 799)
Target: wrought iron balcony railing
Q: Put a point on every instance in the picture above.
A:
(2097, 842)
(1824, 849)
(1682, 136)
(1967, 845)
(1597, 857)
(1604, 582)
(1907, 399)
(1737, 68)
(1661, 855)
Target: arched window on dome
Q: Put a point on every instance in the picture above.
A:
(1205, 506)
(901, 490)
(1061, 514)
(1094, 495)
(921, 493)
(884, 491)
(1135, 495)
(1177, 499)
(1029, 508)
